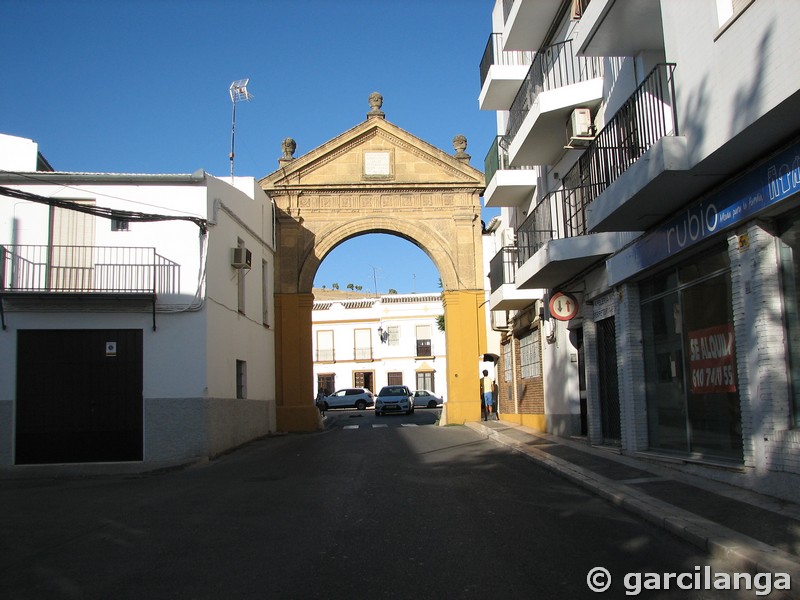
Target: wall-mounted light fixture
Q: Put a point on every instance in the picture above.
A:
(383, 336)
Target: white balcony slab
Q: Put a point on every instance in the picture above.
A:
(510, 187)
(652, 188)
(528, 22)
(561, 259)
(501, 86)
(615, 28)
(509, 297)
(543, 133)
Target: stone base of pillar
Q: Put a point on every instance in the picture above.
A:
(298, 418)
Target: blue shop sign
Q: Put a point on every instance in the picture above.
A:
(774, 181)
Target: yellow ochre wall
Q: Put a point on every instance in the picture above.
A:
(465, 332)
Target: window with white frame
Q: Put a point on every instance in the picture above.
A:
(393, 332)
(264, 292)
(530, 355)
(425, 381)
(507, 363)
(325, 346)
(240, 274)
(424, 340)
(362, 339)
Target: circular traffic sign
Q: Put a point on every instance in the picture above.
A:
(563, 306)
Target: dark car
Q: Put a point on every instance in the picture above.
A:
(359, 398)
(394, 398)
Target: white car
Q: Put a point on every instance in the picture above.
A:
(359, 398)
(394, 398)
(426, 399)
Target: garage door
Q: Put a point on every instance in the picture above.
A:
(79, 396)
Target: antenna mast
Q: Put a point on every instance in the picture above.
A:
(238, 92)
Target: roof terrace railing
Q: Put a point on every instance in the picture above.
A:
(86, 269)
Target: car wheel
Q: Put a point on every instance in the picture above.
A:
(432, 404)
(361, 404)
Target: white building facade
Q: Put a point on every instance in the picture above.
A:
(647, 164)
(372, 342)
(138, 327)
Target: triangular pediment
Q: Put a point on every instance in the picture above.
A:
(375, 153)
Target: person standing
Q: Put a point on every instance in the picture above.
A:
(487, 389)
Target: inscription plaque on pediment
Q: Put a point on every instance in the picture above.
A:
(378, 164)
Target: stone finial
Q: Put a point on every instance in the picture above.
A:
(460, 145)
(288, 146)
(375, 102)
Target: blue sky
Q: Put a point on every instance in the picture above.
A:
(142, 86)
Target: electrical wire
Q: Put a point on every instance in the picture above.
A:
(99, 211)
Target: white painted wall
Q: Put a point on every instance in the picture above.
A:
(190, 359)
(386, 358)
(744, 71)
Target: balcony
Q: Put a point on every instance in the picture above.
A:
(611, 28)
(633, 173)
(553, 245)
(506, 185)
(527, 22)
(502, 275)
(86, 270)
(501, 74)
(326, 355)
(557, 83)
(362, 353)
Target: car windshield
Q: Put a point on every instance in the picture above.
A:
(392, 392)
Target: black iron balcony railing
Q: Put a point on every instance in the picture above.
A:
(98, 269)
(503, 268)
(494, 54)
(645, 118)
(544, 223)
(497, 158)
(552, 68)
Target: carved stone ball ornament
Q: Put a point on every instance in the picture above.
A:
(288, 146)
(375, 103)
(460, 145)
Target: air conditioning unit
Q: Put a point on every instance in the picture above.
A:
(242, 258)
(508, 237)
(580, 129)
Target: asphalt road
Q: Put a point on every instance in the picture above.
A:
(393, 507)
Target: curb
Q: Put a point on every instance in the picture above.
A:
(738, 550)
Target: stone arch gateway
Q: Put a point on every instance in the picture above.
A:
(376, 178)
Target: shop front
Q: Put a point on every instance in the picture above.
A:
(719, 305)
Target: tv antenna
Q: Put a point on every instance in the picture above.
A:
(239, 93)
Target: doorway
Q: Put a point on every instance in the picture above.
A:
(79, 396)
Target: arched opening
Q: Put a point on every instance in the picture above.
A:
(383, 327)
(378, 263)
(376, 178)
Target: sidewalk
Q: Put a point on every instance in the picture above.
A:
(752, 532)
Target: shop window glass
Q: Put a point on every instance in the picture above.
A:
(690, 361)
